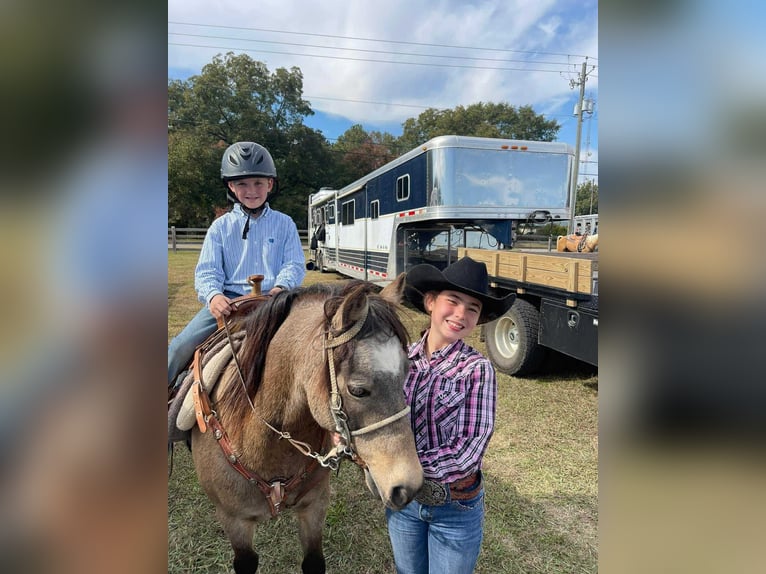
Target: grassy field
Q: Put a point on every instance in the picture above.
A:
(541, 473)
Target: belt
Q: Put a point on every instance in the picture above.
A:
(435, 493)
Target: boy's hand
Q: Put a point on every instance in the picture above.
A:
(220, 306)
(275, 290)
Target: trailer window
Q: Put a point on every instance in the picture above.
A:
(331, 213)
(374, 209)
(347, 212)
(403, 187)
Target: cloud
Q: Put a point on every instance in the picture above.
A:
(539, 46)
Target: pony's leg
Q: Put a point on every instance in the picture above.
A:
(310, 524)
(240, 535)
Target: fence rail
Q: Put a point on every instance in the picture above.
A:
(192, 237)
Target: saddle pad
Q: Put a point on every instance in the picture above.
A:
(213, 366)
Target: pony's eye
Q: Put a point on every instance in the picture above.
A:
(358, 392)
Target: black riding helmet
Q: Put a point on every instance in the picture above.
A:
(247, 159)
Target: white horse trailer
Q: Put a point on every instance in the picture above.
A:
(450, 192)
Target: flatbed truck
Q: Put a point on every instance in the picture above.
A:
(556, 306)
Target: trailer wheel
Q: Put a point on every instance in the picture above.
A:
(512, 340)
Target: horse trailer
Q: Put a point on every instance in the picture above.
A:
(456, 196)
(450, 192)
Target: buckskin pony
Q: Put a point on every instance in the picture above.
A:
(320, 370)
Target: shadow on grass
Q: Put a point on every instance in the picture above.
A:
(556, 534)
(553, 534)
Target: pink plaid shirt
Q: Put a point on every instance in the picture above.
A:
(452, 397)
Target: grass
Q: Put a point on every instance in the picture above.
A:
(541, 472)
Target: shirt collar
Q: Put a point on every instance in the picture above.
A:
(418, 349)
(241, 212)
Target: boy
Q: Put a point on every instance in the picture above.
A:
(451, 389)
(251, 239)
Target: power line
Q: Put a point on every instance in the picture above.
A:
(308, 97)
(394, 104)
(452, 57)
(372, 60)
(365, 59)
(378, 40)
(367, 102)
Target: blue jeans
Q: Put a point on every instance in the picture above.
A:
(181, 348)
(437, 539)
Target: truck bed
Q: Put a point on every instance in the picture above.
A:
(575, 273)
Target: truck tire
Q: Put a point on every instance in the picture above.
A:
(512, 340)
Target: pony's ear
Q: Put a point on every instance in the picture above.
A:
(353, 308)
(394, 291)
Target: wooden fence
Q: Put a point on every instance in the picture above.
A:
(192, 237)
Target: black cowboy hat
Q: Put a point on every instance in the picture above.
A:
(465, 276)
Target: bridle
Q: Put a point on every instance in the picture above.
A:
(331, 459)
(345, 448)
(276, 490)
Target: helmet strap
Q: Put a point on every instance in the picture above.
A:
(250, 212)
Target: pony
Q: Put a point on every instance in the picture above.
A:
(320, 369)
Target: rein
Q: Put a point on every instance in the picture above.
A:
(275, 491)
(333, 457)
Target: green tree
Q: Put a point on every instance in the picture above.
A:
(358, 152)
(497, 120)
(194, 184)
(304, 165)
(586, 201)
(236, 98)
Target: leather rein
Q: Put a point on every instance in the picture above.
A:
(276, 490)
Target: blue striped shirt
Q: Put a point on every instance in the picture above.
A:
(272, 249)
(452, 396)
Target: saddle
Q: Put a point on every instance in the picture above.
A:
(585, 243)
(242, 305)
(214, 354)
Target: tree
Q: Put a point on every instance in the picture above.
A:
(305, 165)
(358, 152)
(497, 120)
(194, 183)
(236, 98)
(586, 201)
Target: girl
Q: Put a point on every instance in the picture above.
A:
(451, 389)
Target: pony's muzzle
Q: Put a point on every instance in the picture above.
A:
(400, 497)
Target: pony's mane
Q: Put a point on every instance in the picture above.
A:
(264, 322)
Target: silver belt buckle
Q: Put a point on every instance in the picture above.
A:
(432, 493)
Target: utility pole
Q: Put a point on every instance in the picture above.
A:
(576, 171)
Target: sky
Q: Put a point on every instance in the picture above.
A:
(377, 64)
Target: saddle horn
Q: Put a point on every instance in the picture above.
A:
(255, 291)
